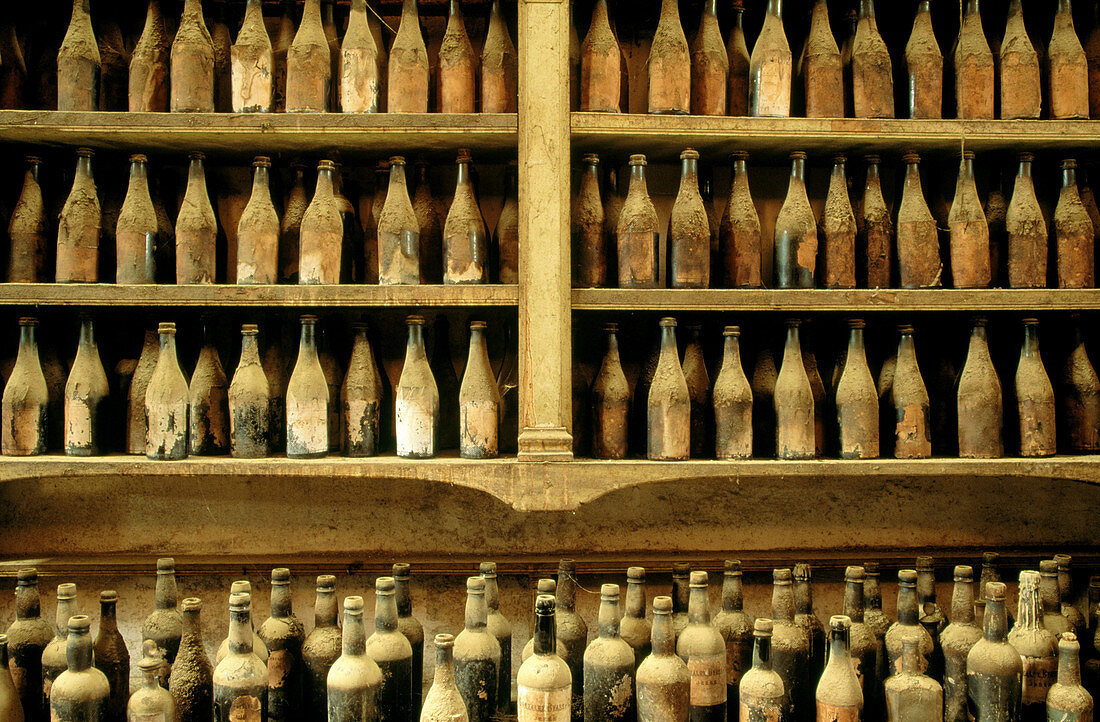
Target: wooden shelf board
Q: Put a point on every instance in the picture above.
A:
(245, 134)
(663, 137)
(235, 296)
(835, 300)
(551, 487)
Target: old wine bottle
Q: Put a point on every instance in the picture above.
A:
(1067, 698)
(86, 398)
(732, 400)
(669, 412)
(240, 680)
(501, 629)
(392, 652)
(970, 259)
(737, 52)
(407, 82)
(192, 71)
(918, 237)
(1073, 234)
(857, 401)
(739, 230)
(790, 651)
(910, 694)
(78, 230)
(416, 398)
(638, 236)
(196, 228)
(908, 625)
(688, 231)
(27, 637)
(1027, 232)
(544, 682)
(321, 232)
(258, 230)
(81, 692)
(1036, 646)
(444, 703)
(1067, 68)
(794, 402)
(321, 649)
(669, 64)
(208, 399)
(309, 65)
(149, 62)
(589, 239)
(973, 68)
(770, 68)
(307, 399)
(398, 232)
(457, 66)
(838, 692)
(283, 635)
(26, 398)
(796, 232)
(1034, 397)
(499, 66)
(703, 649)
(709, 65)
(354, 679)
(762, 694)
(465, 237)
(150, 701)
(838, 228)
(634, 628)
(663, 678)
(924, 63)
(980, 405)
(872, 74)
(1021, 95)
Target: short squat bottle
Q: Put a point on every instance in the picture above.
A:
(26, 398)
(81, 692)
(416, 398)
(668, 404)
(663, 679)
(240, 680)
(307, 399)
(994, 671)
(354, 678)
(150, 701)
(166, 402)
(544, 682)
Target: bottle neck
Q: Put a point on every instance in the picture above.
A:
(385, 613)
(838, 175)
(324, 609)
(681, 593)
(873, 180)
(1030, 348)
(476, 611)
(1069, 665)
(1048, 591)
(27, 603)
(872, 595)
(261, 181)
(84, 169)
(240, 631)
(250, 350)
(731, 356)
(637, 181)
(354, 638)
(108, 620)
(838, 647)
(775, 7)
(635, 599)
(978, 343)
(689, 173)
(149, 680)
(853, 601)
(910, 659)
(196, 175)
(608, 618)
(972, 7)
(668, 348)
(1065, 8)
(325, 184)
(492, 594)
(414, 347)
(81, 9)
(87, 336)
(478, 351)
(855, 345)
(311, 13)
(662, 636)
(762, 652)
(307, 345)
(783, 603)
(966, 170)
(402, 596)
(65, 609)
(28, 352)
(1024, 170)
(803, 597)
(962, 602)
(397, 178)
(612, 346)
(166, 593)
(792, 351)
(444, 666)
(867, 9)
(463, 179)
(926, 586)
(139, 177)
(253, 11)
(78, 651)
(1069, 178)
(280, 600)
(995, 621)
(192, 626)
(698, 607)
(907, 351)
(912, 177)
(907, 605)
(732, 594)
(545, 641)
(798, 170)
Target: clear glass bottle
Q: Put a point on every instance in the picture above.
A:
(150, 701)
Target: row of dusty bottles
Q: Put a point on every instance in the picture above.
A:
(683, 664)
(169, 417)
(403, 239)
(856, 241)
(714, 76)
(311, 69)
(686, 415)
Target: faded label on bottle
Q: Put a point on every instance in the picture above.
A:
(415, 428)
(359, 86)
(78, 424)
(638, 258)
(754, 709)
(306, 425)
(1039, 674)
(478, 426)
(280, 665)
(246, 709)
(833, 713)
(708, 680)
(540, 705)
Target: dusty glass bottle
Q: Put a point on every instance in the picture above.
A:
(739, 230)
(663, 678)
(252, 64)
(790, 648)
(1027, 231)
(710, 65)
(53, 655)
(762, 695)
(290, 230)
(465, 237)
(638, 237)
(166, 402)
(1076, 620)
(956, 640)
(283, 635)
(918, 238)
(689, 232)
(770, 68)
(479, 405)
(601, 64)
(136, 428)
(857, 401)
(25, 399)
(875, 230)
(794, 402)
(321, 234)
(86, 398)
(736, 627)
(309, 65)
(838, 694)
(392, 652)
(410, 627)
(796, 232)
(276, 368)
(669, 64)
(361, 398)
(806, 618)
(222, 42)
(137, 229)
(499, 66)
(872, 74)
(164, 625)
(924, 63)
(931, 617)
(610, 402)
(879, 623)
(81, 691)
(589, 239)
(501, 629)
(544, 681)
(506, 234)
(27, 229)
(1019, 69)
(416, 398)
(240, 679)
(321, 649)
(78, 62)
(150, 701)
(863, 645)
(245, 586)
(1073, 234)
(249, 401)
(27, 637)
(1067, 68)
(543, 586)
(737, 53)
(1034, 397)
(698, 383)
(192, 685)
(457, 68)
(970, 260)
(821, 68)
(354, 678)
(1036, 646)
(681, 594)
(444, 700)
(477, 656)
(909, 397)
(980, 404)
(1053, 619)
(974, 70)
(668, 404)
(208, 394)
(258, 230)
(732, 399)
(1067, 699)
(910, 694)
(407, 82)
(634, 628)
(703, 649)
(442, 368)
(192, 72)
(908, 625)
(148, 77)
(360, 82)
(196, 228)
(838, 230)
(430, 220)
(111, 657)
(78, 230)
(307, 399)
(398, 232)
(572, 631)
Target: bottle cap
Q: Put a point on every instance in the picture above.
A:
(464, 156)
(79, 624)
(191, 604)
(326, 165)
(802, 572)
(442, 641)
(250, 329)
(967, 155)
(477, 325)
(66, 591)
(995, 591)
(546, 585)
(668, 322)
(734, 331)
(108, 596)
(138, 158)
(781, 576)
(166, 327)
(798, 155)
(397, 160)
(591, 159)
(1063, 561)
(475, 585)
(261, 161)
(544, 605)
(689, 154)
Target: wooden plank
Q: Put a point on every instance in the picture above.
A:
(836, 300)
(245, 134)
(234, 296)
(663, 137)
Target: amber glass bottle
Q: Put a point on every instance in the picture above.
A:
(924, 62)
(979, 400)
(587, 228)
(669, 64)
(638, 237)
(689, 231)
(407, 83)
(857, 401)
(669, 406)
(1021, 96)
(709, 65)
(499, 66)
(794, 402)
(1073, 234)
(970, 260)
(973, 68)
(398, 232)
(465, 237)
(307, 399)
(872, 74)
(416, 398)
(610, 403)
(770, 68)
(732, 399)
(27, 229)
(86, 398)
(192, 63)
(78, 230)
(838, 228)
(196, 228)
(148, 78)
(457, 66)
(918, 238)
(796, 232)
(739, 230)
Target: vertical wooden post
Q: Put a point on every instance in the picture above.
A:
(544, 300)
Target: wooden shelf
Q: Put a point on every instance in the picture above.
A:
(234, 296)
(663, 137)
(245, 134)
(545, 487)
(835, 300)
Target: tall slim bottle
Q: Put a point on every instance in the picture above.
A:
(957, 639)
(839, 695)
(703, 649)
(806, 618)
(457, 66)
(796, 232)
(909, 397)
(78, 62)
(589, 240)
(321, 234)
(506, 233)
(307, 399)
(794, 402)
(251, 63)
(918, 238)
(970, 260)
(309, 65)
(736, 627)
(838, 230)
(321, 649)
(762, 694)
(610, 402)
(258, 230)
(572, 632)
(479, 406)
(1027, 232)
(25, 400)
(924, 63)
(86, 398)
(477, 656)
(1066, 596)
(196, 228)
(669, 407)
(1073, 233)
(240, 680)
(392, 652)
(149, 62)
(407, 82)
(249, 401)
(81, 692)
(361, 398)
(931, 616)
(429, 217)
(27, 229)
(444, 703)
(770, 68)
(208, 395)
(689, 232)
(136, 232)
(544, 681)
(1034, 397)
(908, 625)
(283, 635)
(634, 628)
(821, 67)
(410, 627)
(601, 62)
(732, 399)
(669, 64)
(862, 643)
(78, 229)
(1037, 647)
(354, 679)
(709, 65)
(739, 230)
(166, 402)
(980, 404)
(360, 81)
(973, 68)
(27, 637)
(53, 656)
(663, 678)
(192, 63)
(465, 237)
(1053, 619)
(857, 401)
(737, 53)
(638, 236)
(499, 66)
(501, 629)
(876, 230)
(872, 74)
(1067, 67)
(416, 398)
(1021, 95)
(790, 650)
(398, 232)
